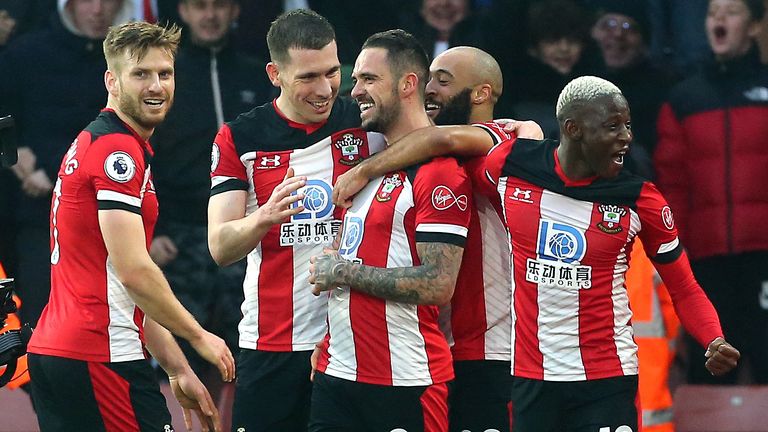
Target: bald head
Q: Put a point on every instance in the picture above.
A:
(464, 86)
(479, 67)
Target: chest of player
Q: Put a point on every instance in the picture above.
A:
(381, 223)
(556, 230)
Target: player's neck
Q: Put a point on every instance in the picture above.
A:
(481, 114)
(572, 162)
(407, 122)
(144, 133)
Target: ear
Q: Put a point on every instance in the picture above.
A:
(409, 84)
(111, 83)
(235, 11)
(273, 73)
(572, 129)
(755, 28)
(481, 94)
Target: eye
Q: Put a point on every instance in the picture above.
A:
(139, 74)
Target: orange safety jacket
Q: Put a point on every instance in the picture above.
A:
(655, 327)
(21, 376)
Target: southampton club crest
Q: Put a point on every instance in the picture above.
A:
(349, 145)
(612, 215)
(388, 185)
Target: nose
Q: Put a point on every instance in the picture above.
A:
(357, 90)
(324, 87)
(430, 89)
(154, 84)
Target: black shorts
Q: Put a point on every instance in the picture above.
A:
(604, 405)
(339, 405)
(480, 396)
(75, 395)
(272, 392)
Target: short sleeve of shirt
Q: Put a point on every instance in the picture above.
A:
(115, 166)
(658, 231)
(227, 171)
(495, 160)
(443, 196)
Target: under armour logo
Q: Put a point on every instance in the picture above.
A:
(443, 198)
(270, 162)
(523, 195)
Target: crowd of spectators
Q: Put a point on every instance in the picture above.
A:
(659, 53)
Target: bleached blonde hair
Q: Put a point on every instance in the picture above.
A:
(582, 91)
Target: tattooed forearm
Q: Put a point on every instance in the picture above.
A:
(432, 282)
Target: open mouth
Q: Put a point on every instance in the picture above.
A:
(432, 106)
(154, 103)
(320, 105)
(719, 33)
(618, 157)
(365, 106)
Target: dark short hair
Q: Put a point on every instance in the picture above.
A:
(404, 54)
(298, 29)
(137, 37)
(756, 9)
(552, 20)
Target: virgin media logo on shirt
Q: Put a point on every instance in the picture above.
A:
(443, 198)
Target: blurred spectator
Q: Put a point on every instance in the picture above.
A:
(441, 24)
(214, 83)
(622, 32)
(680, 42)
(557, 37)
(20, 16)
(711, 164)
(51, 81)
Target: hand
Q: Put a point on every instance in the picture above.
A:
(37, 184)
(278, 208)
(163, 250)
(325, 270)
(347, 185)
(721, 357)
(522, 128)
(192, 395)
(25, 164)
(313, 361)
(213, 349)
(7, 24)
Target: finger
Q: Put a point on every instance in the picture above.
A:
(312, 375)
(204, 420)
(187, 418)
(289, 173)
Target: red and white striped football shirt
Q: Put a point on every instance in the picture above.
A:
(90, 315)
(571, 243)
(477, 322)
(382, 342)
(279, 312)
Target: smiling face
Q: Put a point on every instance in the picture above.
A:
(730, 28)
(309, 83)
(605, 133)
(93, 17)
(375, 90)
(143, 90)
(449, 89)
(561, 54)
(620, 40)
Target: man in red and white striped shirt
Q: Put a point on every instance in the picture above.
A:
(259, 209)
(384, 364)
(464, 85)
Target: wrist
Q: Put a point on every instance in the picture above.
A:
(339, 273)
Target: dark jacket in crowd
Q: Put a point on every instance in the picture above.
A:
(52, 82)
(182, 143)
(712, 158)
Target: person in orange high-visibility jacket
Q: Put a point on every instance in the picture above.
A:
(656, 327)
(21, 376)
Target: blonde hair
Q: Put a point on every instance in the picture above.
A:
(136, 38)
(582, 91)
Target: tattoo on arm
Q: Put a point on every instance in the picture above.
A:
(432, 282)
